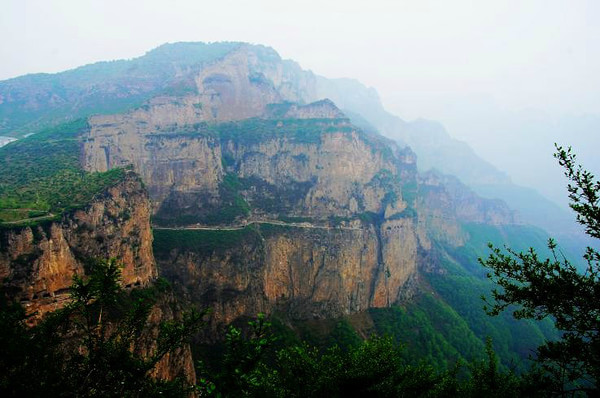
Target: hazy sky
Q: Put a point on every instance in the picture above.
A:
(468, 64)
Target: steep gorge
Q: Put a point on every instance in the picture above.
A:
(241, 149)
(264, 197)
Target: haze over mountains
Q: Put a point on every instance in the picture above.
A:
(313, 175)
(34, 101)
(253, 185)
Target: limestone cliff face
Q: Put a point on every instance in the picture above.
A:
(304, 272)
(165, 162)
(184, 166)
(322, 109)
(322, 267)
(243, 147)
(239, 86)
(334, 175)
(38, 263)
(467, 206)
(360, 246)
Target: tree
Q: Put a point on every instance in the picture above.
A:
(557, 288)
(376, 367)
(97, 345)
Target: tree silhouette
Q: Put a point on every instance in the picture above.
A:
(556, 288)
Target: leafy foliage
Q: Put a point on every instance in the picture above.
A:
(255, 131)
(252, 367)
(462, 284)
(199, 240)
(554, 287)
(90, 347)
(431, 331)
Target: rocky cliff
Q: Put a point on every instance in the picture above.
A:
(330, 233)
(302, 271)
(445, 204)
(335, 219)
(265, 197)
(356, 246)
(236, 142)
(38, 262)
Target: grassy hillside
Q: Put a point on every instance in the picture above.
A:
(40, 176)
(41, 100)
(463, 283)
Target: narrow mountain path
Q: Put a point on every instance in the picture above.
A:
(24, 220)
(242, 226)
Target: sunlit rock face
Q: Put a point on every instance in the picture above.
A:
(38, 263)
(246, 145)
(263, 196)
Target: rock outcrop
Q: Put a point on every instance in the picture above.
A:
(239, 144)
(264, 197)
(244, 149)
(38, 262)
(296, 161)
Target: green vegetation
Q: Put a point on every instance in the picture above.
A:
(254, 131)
(370, 217)
(431, 331)
(252, 366)
(555, 288)
(410, 192)
(480, 235)
(92, 346)
(118, 86)
(199, 240)
(428, 330)
(228, 210)
(40, 175)
(272, 198)
(232, 203)
(512, 340)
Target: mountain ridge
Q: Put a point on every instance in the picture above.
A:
(247, 138)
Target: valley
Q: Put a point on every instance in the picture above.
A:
(250, 186)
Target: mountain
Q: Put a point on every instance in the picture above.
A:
(264, 197)
(31, 102)
(436, 149)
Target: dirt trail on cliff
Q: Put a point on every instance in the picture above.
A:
(48, 216)
(242, 226)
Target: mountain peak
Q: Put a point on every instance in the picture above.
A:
(193, 53)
